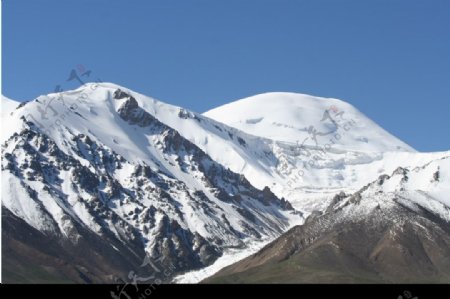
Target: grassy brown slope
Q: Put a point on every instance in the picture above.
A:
(410, 249)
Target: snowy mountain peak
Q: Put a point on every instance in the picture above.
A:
(304, 119)
(103, 163)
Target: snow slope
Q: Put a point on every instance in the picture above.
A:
(8, 105)
(426, 186)
(6, 108)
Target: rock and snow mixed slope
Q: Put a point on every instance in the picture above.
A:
(321, 146)
(306, 173)
(394, 230)
(96, 163)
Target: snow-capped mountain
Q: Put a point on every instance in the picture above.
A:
(93, 163)
(394, 230)
(299, 118)
(105, 169)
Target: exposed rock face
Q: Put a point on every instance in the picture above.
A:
(132, 113)
(120, 94)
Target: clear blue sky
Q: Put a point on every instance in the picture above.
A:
(389, 58)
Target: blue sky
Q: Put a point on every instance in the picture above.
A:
(389, 58)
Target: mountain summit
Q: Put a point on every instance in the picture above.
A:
(294, 117)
